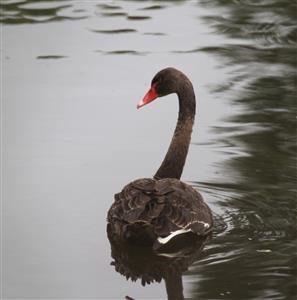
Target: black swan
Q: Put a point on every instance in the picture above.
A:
(154, 211)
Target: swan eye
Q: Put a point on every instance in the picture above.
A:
(156, 81)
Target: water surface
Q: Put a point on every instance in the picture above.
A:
(73, 72)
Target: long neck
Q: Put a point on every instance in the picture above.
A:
(174, 161)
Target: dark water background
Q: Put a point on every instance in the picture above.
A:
(72, 73)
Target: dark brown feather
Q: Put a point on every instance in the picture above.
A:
(157, 208)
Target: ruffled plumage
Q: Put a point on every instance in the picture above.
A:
(147, 209)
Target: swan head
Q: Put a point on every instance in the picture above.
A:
(165, 82)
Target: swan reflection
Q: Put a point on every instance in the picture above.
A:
(150, 266)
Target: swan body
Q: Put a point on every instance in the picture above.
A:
(154, 211)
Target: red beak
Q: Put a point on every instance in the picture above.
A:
(149, 97)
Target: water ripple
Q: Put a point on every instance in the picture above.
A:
(244, 22)
(152, 7)
(114, 14)
(154, 33)
(138, 18)
(122, 52)
(50, 56)
(21, 12)
(109, 6)
(113, 31)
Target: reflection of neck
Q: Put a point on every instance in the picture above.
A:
(174, 286)
(174, 161)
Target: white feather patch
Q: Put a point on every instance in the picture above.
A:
(180, 231)
(171, 235)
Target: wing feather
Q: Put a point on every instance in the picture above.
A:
(163, 206)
